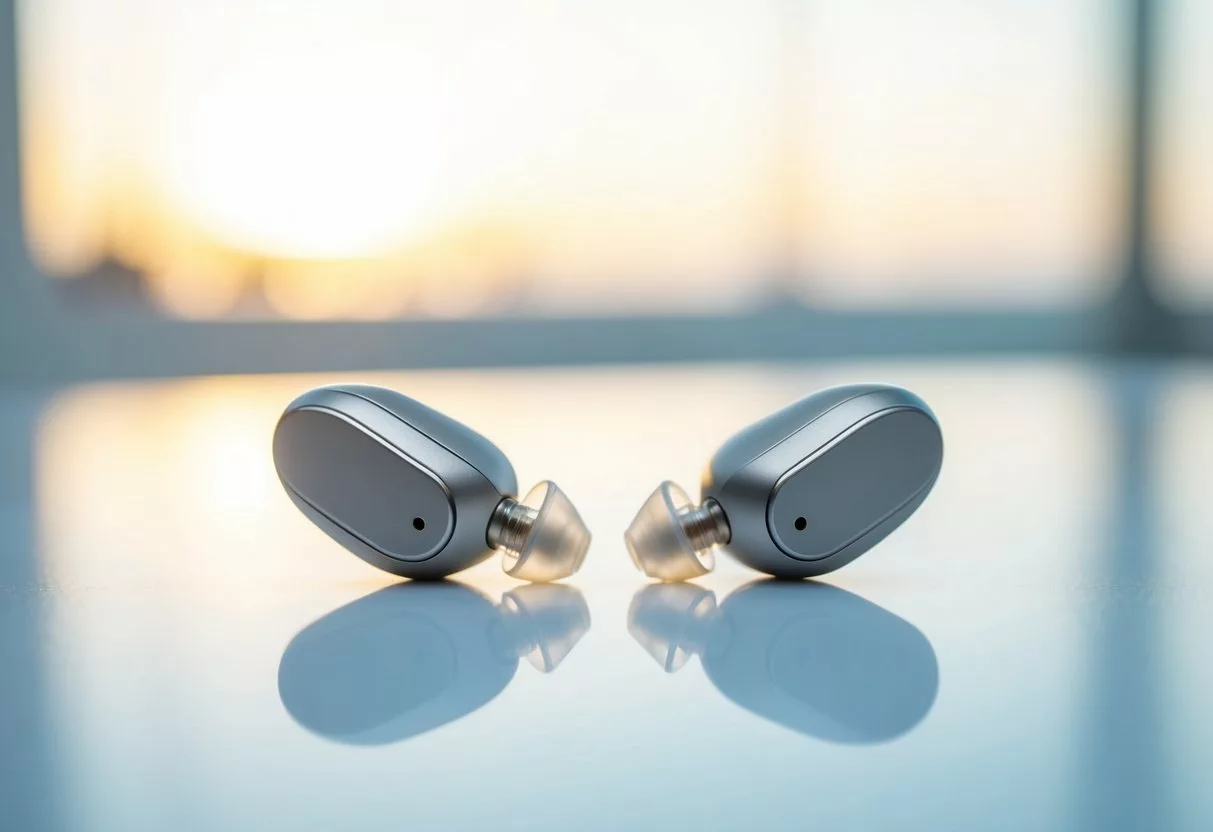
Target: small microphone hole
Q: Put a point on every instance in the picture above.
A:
(418, 524)
(800, 524)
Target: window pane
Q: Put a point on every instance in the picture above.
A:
(397, 157)
(1185, 151)
(958, 150)
(378, 158)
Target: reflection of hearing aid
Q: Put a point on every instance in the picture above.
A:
(542, 623)
(800, 493)
(808, 656)
(411, 657)
(416, 493)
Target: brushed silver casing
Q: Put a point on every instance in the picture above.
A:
(431, 467)
(815, 485)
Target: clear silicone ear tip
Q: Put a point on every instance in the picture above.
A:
(657, 542)
(557, 542)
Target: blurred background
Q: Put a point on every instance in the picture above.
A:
(233, 186)
(535, 216)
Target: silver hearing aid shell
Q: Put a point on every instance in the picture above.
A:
(416, 493)
(802, 492)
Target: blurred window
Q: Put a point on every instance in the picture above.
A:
(1184, 160)
(959, 151)
(475, 157)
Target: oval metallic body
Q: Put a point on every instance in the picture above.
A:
(400, 485)
(815, 485)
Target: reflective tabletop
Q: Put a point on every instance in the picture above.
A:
(183, 650)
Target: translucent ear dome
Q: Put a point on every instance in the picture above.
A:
(671, 539)
(544, 538)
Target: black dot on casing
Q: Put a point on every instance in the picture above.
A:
(419, 524)
(800, 524)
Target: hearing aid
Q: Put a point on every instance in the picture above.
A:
(800, 493)
(414, 492)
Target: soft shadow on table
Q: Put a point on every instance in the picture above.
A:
(807, 656)
(412, 657)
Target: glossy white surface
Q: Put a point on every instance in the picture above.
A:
(183, 650)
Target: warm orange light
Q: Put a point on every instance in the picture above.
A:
(295, 159)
